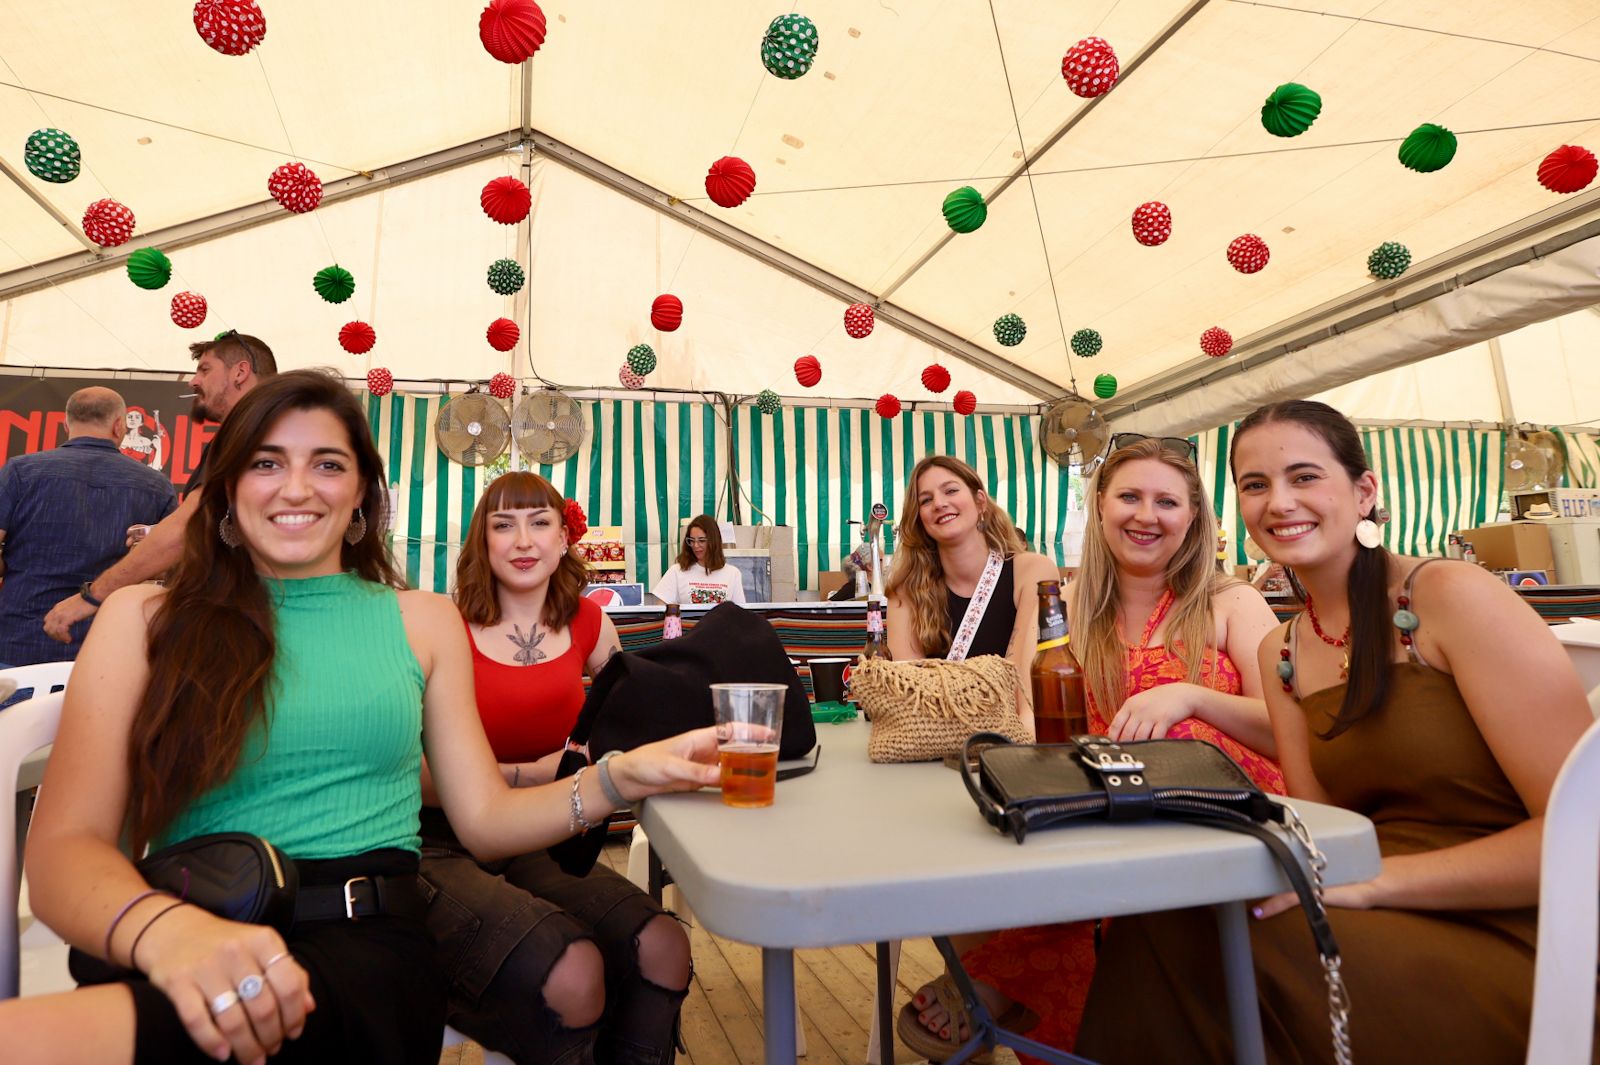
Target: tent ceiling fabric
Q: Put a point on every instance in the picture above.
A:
(904, 104)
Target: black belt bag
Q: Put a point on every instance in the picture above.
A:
(1020, 787)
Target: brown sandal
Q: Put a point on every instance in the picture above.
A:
(914, 1034)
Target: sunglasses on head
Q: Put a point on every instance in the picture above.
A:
(1176, 444)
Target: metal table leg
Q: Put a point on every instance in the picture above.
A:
(777, 1004)
(885, 1008)
(1238, 969)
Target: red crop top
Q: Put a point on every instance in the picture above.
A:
(528, 711)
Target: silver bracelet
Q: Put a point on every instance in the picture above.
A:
(576, 822)
(608, 785)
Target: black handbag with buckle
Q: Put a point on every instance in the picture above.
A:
(1019, 787)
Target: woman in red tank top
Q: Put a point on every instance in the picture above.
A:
(543, 964)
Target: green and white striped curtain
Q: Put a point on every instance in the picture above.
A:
(1434, 482)
(1583, 458)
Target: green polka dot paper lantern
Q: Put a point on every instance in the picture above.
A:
(149, 268)
(1087, 342)
(1105, 386)
(789, 46)
(768, 402)
(641, 359)
(334, 284)
(1009, 329)
(1388, 260)
(506, 277)
(52, 155)
(964, 209)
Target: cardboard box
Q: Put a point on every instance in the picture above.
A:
(1511, 545)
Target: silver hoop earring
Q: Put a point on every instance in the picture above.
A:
(1368, 534)
(227, 531)
(357, 529)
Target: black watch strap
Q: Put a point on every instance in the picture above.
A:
(86, 591)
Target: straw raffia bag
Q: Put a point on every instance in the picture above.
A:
(924, 709)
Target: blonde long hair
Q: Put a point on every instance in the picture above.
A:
(918, 576)
(1191, 575)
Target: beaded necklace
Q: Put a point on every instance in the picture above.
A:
(1341, 644)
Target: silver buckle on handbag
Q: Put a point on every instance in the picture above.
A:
(1125, 763)
(350, 897)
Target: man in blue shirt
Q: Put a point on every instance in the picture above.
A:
(64, 516)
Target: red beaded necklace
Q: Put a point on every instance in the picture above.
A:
(1342, 643)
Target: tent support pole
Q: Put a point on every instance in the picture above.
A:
(1502, 389)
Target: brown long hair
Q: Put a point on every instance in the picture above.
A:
(1367, 586)
(476, 587)
(918, 576)
(714, 557)
(211, 637)
(1191, 575)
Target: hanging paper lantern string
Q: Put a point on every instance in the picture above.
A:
(502, 385)
(1388, 260)
(1105, 386)
(108, 223)
(1009, 330)
(1090, 67)
(768, 402)
(964, 402)
(730, 181)
(380, 382)
(1290, 110)
(964, 209)
(503, 334)
(334, 283)
(858, 320)
(789, 46)
(1216, 342)
(807, 370)
(628, 378)
(1429, 147)
(188, 310)
(232, 27)
(52, 156)
(1086, 343)
(1248, 253)
(149, 268)
(506, 200)
(1152, 223)
(666, 313)
(1567, 169)
(357, 337)
(888, 405)
(935, 378)
(642, 359)
(296, 187)
(511, 30)
(506, 277)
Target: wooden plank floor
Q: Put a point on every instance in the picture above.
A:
(722, 1022)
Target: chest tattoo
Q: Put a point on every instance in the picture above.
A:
(527, 646)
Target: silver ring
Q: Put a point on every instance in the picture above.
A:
(250, 987)
(275, 959)
(224, 1002)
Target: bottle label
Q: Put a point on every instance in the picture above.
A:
(874, 623)
(672, 628)
(1057, 641)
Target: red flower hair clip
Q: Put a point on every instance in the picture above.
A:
(576, 520)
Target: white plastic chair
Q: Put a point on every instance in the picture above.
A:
(1581, 639)
(1569, 917)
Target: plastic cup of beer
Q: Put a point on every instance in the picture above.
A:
(749, 724)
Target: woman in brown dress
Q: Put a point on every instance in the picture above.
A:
(1422, 694)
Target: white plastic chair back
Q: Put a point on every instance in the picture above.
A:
(1581, 639)
(24, 729)
(42, 677)
(1569, 914)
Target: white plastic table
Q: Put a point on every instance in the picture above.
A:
(861, 853)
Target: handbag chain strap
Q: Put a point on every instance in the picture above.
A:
(975, 608)
(1338, 997)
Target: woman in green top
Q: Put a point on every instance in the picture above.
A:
(280, 685)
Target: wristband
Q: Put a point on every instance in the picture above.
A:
(126, 906)
(86, 593)
(608, 785)
(132, 961)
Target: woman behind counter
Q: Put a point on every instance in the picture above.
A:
(701, 576)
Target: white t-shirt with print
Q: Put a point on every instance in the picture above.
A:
(695, 587)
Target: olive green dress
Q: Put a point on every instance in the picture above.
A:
(1452, 986)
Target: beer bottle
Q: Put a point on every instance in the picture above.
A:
(1058, 681)
(672, 624)
(877, 645)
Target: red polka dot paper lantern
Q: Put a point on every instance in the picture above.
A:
(231, 27)
(380, 382)
(1152, 223)
(666, 313)
(503, 334)
(108, 223)
(1248, 253)
(1568, 169)
(730, 181)
(502, 386)
(630, 379)
(965, 402)
(357, 337)
(295, 187)
(506, 200)
(935, 378)
(188, 309)
(888, 405)
(858, 320)
(1216, 342)
(1090, 67)
(807, 370)
(511, 30)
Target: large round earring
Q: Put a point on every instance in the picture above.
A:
(1368, 534)
(227, 531)
(357, 529)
